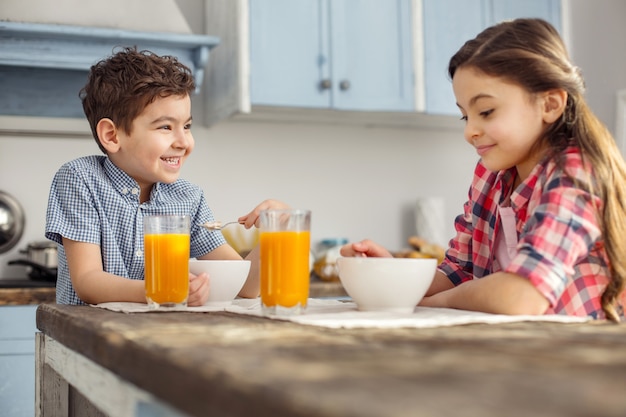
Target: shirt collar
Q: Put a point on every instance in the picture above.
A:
(120, 180)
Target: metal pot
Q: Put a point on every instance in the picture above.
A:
(42, 260)
(42, 253)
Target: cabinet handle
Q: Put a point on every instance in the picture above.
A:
(344, 85)
(326, 84)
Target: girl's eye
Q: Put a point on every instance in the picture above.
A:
(188, 126)
(464, 118)
(486, 113)
(167, 127)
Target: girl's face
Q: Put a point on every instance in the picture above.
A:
(159, 143)
(502, 121)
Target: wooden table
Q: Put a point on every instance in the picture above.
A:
(224, 364)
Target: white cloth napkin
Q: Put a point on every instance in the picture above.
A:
(344, 314)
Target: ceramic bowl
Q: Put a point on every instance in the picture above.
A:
(226, 278)
(386, 284)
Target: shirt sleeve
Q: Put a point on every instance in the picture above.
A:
(71, 211)
(457, 264)
(560, 231)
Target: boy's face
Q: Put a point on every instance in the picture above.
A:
(159, 143)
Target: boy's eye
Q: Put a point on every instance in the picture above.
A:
(464, 118)
(188, 126)
(166, 127)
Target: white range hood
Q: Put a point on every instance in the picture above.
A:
(44, 60)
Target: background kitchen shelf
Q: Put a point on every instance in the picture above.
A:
(44, 66)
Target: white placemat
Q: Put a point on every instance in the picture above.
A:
(340, 314)
(344, 314)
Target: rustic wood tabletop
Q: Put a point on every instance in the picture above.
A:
(223, 363)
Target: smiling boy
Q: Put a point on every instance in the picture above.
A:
(139, 109)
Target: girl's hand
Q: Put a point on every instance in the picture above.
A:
(198, 289)
(252, 218)
(365, 248)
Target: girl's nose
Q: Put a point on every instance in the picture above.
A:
(472, 132)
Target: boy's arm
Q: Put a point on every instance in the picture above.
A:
(91, 283)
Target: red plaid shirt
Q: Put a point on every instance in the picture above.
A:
(560, 244)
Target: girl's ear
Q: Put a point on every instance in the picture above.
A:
(107, 134)
(554, 102)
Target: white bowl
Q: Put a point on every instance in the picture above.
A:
(226, 278)
(386, 284)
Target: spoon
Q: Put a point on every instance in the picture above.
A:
(217, 225)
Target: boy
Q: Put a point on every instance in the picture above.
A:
(139, 108)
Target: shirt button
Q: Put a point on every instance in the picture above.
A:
(134, 191)
(139, 254)
(124, 190)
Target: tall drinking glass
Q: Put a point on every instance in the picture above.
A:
(285, 241)
(166, 251)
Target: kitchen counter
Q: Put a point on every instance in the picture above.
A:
(220, 363)
(23, 292)
(13, 294)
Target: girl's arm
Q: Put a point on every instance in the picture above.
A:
(440, 283)
(498, 293)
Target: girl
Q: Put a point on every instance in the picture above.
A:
(544, 228)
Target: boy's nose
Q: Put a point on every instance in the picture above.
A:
(183, 138)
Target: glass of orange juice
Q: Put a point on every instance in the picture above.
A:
(285, 239)
(166, 252)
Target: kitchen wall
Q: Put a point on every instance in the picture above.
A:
(359, 181)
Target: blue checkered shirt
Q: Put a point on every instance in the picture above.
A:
(91, 200)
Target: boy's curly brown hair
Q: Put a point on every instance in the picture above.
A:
(121, 86)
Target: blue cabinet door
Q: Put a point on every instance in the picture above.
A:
(372, 59)
(549, 10)
(342, 54)
(288, 53)
(17, 360)
(449, 23)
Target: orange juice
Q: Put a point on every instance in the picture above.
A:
(167, 267)
(284, 268)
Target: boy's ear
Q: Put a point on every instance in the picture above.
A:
(554, 105)
(107, 134)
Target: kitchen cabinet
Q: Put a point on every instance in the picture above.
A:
(17, 360)
(288, 58)
(447, 24)
(321, 55)
(347, 55)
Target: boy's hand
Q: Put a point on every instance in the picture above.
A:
(252, 218)
(198, 289)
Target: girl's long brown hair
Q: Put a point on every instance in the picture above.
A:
(530, 53)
